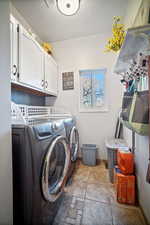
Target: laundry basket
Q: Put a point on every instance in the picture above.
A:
(89, 152)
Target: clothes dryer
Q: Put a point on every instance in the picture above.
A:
(72, 136)
(41, 161)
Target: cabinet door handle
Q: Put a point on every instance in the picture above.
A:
(14, 70)
(46, 84)
(42, 83)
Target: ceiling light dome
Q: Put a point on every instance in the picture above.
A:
(68, 7)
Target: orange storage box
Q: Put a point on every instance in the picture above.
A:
(125, 162)
(125, 187)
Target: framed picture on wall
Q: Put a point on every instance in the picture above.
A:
(68, 80)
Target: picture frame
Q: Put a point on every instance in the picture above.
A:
(68, 81)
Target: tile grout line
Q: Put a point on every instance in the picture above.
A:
(84, 199)
(82, 211)
(86, 185)
(112, 215)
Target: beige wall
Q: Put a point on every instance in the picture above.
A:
(132, 10)
(6, 209)
(88, 53)
(137, 13)
(143, 14)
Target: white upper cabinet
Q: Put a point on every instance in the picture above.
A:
(31, 60)
(51, 75)
(31, 66)
(14, 47)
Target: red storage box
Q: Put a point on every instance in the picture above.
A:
(125, 186)
(125, 162)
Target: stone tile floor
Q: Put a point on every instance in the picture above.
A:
(90, 200)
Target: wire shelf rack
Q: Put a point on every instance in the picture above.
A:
(24, 114)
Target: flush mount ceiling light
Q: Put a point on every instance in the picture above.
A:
(68, 7)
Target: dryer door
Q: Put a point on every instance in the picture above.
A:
(55, 169)
(74, 143)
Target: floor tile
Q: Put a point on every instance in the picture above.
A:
(81, 174)
(70, 211)
(79, 189)
(81, 165)
(100, 192)
(90, 199)
(98, 176)
(63, 210)
(99, 166)
(96, 213)
(124, 216)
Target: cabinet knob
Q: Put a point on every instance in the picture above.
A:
(46, 84)
(42, 83)
(14, 70)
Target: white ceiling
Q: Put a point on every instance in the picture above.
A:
(94, 16)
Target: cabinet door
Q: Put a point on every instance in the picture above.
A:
(51, 75)
(31, 60)
(14, 48)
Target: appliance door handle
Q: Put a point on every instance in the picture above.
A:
(42, 83)
(14, 70)
(46, 84)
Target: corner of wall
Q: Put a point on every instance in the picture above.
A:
(132, 11)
